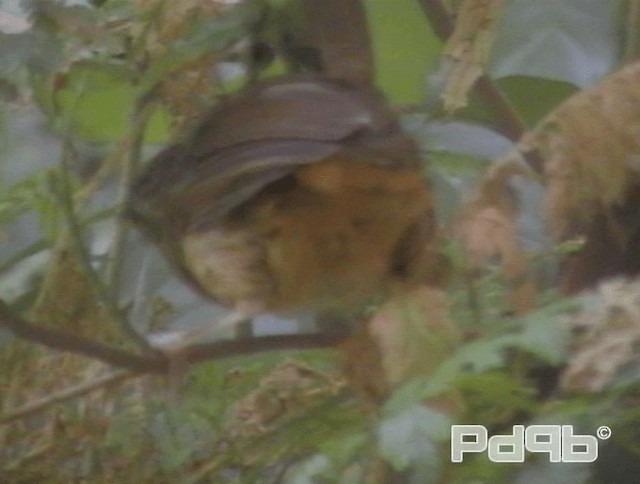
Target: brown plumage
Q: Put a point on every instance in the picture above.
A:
(297, 194)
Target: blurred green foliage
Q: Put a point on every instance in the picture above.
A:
(78, 75)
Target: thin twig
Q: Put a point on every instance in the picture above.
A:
(140, 117)
(75, 391)
(34, 454)
(105, 170)
(65, 194)
(218, 350)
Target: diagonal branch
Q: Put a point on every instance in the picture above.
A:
(157, 362)
(441, 20)
(507, 121)
(72, 342)
(66, 199)
(75, 391)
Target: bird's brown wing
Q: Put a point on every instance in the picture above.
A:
(253, 138)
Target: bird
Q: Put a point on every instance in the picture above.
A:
(299, 194)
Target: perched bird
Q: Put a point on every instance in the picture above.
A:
(297, 194)
(300, 193)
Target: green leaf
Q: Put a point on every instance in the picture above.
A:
(457, 163)
(541, 334)
(410, 440)
(97, 99)
(405, 48)
(32, 194)
(545, 335)
(576, 41)
(496, 395)
(535, 97)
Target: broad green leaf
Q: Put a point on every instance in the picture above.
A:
(459, 137)
(576, 41)
(534, 97)
(98, 98)
(405, 48)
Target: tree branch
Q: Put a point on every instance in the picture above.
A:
(440, 19)
(66, 394)
(218, 350)
(68, 341)
(157, 362)
(139, 119)
(507, 121)
(103, 294)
